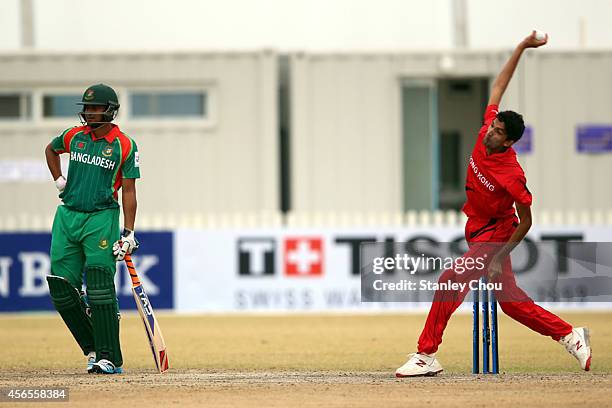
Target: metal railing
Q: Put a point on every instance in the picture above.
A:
(245, 220)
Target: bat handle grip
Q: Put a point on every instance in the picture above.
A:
(131, 270)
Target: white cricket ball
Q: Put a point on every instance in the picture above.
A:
(540, 35)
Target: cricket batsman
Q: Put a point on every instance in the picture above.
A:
(495, 186)
(86, 240)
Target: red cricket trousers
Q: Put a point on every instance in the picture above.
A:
(517, 305)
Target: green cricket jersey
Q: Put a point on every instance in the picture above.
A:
(97, 166)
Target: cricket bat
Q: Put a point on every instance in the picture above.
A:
(154, 334)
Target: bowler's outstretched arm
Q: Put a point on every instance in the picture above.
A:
(504, 77)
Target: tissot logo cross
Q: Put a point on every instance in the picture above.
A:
(303, 257)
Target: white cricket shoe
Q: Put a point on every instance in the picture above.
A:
(578, 344)
(105, 366)
(419, 365)
(91, 360)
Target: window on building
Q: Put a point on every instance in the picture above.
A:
(59, 106)
(168, 104)
(15, 106)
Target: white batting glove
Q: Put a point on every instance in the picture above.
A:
(126, 244)
(60, 183)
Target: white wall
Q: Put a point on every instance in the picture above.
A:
(229, 164)
(346, 126)
(556, 92)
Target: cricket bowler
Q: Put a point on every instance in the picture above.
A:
(86, 240)
(495, 186)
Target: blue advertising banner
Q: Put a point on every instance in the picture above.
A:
(25, 261)
(594, 138)
(525, 143)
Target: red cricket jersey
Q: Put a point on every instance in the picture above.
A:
(494, 182)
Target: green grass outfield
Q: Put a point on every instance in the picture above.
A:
(300, 343)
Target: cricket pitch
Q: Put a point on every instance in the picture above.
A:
(307, 360)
